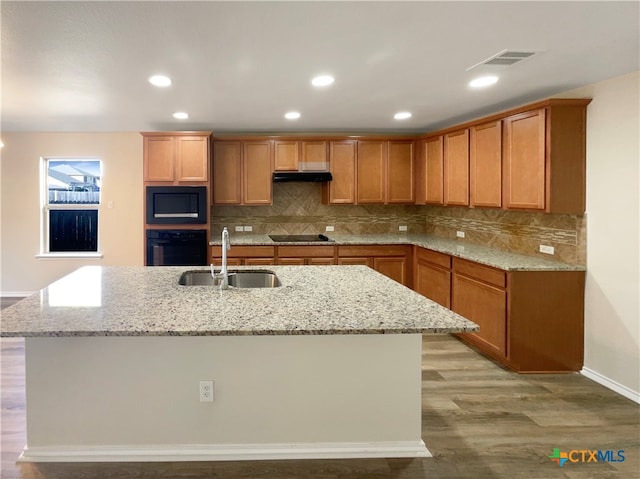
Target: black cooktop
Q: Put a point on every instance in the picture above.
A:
(299, 238)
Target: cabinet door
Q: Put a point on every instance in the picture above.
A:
(433, 282)
(356, 261)
(434, 151)
(256, 173)
(227, 178)
(258, 261)
(485, 305)
(524, 161)
(192, 158)
(342, 164)
(394, 268)
(313, 155)
(485, 155)
(400, 182)
(286, 155)
(159, 158)
(456, 168)
(371, 172)
(320, 261)
(291, 261)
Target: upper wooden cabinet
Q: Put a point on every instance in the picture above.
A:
(176, 157)
(242, 173)
(400, 172)
(524, 160)
(429, 169)
(456, 168)
(385, 172)
(293, 155)
(286, 155)
(544, 158)
(371, 174)
(342, 164)
(485, 155)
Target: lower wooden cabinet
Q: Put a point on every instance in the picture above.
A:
(530, 321)
(393, 261)
(306, 255)
(244, 255)
(479, 294)
(433, 275)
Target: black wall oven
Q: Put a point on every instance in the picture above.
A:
(176, 204)
(176, 247)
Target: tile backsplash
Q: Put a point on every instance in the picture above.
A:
(297, 209)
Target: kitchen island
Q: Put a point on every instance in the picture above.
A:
(328, 365)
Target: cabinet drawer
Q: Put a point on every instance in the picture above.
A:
(305, 251)
(439, 259)
(484, 273)
(389, 250)
(244, 251)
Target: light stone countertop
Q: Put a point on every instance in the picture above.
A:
(477, 253)
(148, 301)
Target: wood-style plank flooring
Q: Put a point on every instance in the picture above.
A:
(478, 419)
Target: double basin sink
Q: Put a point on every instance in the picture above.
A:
(256, 278)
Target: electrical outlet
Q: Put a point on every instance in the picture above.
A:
(239, 228)
(402, 228)
(248, 228)
(329, 228)
(547, 249)
(460, 234)
(206, 391)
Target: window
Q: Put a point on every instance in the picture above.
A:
(71, 200)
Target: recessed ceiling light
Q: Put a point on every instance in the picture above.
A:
(483, 81)
(292, 115)
(160, 80)
(180, 115)
(323, 80)
(403, 115)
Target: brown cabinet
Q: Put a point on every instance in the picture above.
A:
(305, 255)
(430, 171)
(242, 173)
(342, 164)
(176, 157)
(479, 294)
(524, 160)
(400, 169)
(371, 174)
(432, 275)
(393, 261)
(544, 158)
(245, 255)
(485, 156)
(456, 168)
(286, 155)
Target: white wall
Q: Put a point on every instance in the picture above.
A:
(120, 232)
(612, 304)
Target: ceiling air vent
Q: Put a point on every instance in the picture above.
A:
(505, 58)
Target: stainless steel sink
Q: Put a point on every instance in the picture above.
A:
(238, 279)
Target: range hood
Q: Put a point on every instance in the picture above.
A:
(310, 176)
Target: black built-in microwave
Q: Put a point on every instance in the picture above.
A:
(176, 204)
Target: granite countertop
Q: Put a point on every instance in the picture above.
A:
(148, 301)
(480, 254)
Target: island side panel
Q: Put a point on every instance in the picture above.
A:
(88, 397)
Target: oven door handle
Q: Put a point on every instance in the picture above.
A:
(158, 255)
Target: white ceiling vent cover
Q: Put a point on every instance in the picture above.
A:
(505, 58)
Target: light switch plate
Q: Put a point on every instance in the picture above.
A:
(402, 228)
(248, 228)
(460, 234)
(329, 228)
(239, 228)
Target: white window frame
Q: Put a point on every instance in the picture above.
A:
(45, 208)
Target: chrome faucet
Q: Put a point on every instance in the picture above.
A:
(222, 278)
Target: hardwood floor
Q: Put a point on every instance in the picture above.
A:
(479, 421)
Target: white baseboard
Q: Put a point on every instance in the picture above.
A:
(225, 452)
(16, 294)
(610, 384)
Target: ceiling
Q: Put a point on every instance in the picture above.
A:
(239, 66)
